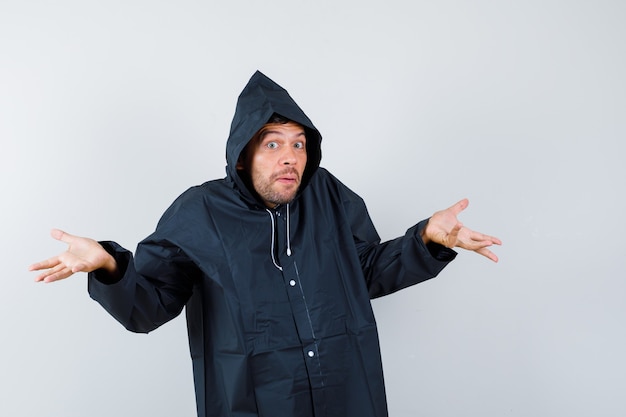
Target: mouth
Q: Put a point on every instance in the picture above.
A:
(287, 177)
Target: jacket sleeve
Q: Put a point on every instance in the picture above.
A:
(402, 262)
(155, 285)
(396, 264)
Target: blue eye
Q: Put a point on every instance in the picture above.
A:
(272, 145)
(299, 145)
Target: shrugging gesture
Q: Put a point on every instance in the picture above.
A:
(82, 255)
(445, 228)
(272, 260)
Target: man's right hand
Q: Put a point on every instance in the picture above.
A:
(82, 255)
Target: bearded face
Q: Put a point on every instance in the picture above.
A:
(275, 159)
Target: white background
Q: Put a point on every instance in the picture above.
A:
(110, 109)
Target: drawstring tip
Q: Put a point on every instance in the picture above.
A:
(288, 251)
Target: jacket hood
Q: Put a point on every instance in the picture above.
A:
(258, 102)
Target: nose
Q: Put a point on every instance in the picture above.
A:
(288, 156)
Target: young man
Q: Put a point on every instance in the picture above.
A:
(276, 265)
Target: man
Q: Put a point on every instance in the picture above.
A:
(276, 265)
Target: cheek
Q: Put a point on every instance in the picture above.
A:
(302, 163)
(259, 166)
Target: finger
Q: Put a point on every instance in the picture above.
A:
(474, 245)
(480, 237)
(488, 254)
(459, 206)
(50, 272)
(483, 237)
(62, 236)
(61, 274)
(452, 239)
(41, 277)
(48, 263)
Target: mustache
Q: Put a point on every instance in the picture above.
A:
(286, 171)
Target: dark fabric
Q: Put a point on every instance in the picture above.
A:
(278, 335)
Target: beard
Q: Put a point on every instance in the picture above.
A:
(275, 192)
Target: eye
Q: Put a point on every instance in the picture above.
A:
(272, 145)
(299, 145)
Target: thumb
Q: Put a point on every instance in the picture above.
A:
(61, 235)
(459, 206)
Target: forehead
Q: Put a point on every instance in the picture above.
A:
(289, 129)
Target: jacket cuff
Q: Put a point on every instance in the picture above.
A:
(122, 258)
(436, 250)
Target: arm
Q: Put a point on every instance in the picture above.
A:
(420, 254)
(399, 263)
(152, 287)
(392, 265)
(141, 293)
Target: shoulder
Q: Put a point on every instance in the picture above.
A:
(324, 181)
(324, 186)
(204, 197)
(213, 189)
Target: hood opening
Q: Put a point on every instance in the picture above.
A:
(259, 101)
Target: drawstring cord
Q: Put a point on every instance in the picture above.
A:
(288, 239)
(273, 243)
(274, 237)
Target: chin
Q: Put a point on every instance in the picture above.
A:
(282, 199)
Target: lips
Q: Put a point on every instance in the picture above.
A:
(287, 176)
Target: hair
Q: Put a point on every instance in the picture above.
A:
(277, 118)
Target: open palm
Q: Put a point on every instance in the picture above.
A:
(82, 255)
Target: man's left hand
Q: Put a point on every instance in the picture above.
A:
(445, 228)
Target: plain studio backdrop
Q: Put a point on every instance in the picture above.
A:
(111, 109)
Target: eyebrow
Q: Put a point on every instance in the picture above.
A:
(267, 132)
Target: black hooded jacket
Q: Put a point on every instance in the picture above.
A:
(277, 300)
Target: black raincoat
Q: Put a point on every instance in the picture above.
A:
(277, 300)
